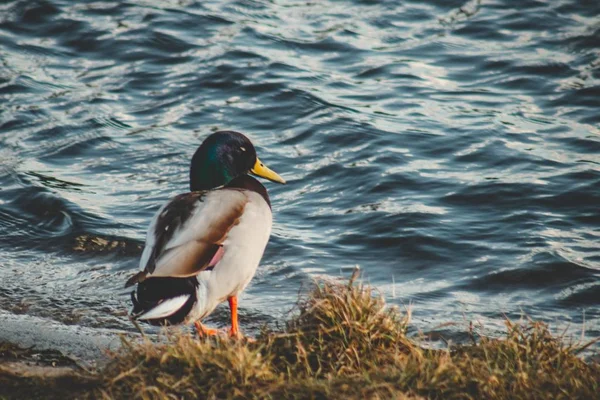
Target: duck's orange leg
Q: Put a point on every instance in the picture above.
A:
(235, 329)
(204, 331)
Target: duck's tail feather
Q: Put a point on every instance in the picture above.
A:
(165, 309)
(164, 301)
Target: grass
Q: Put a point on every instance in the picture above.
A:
(345, 343)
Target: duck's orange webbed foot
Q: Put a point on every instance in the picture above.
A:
(204, 331)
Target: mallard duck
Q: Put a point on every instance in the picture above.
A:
(203, 247)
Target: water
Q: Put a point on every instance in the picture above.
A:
(449, 148)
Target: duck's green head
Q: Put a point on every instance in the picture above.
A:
(222, 157)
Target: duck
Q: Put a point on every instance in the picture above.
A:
(203, 247)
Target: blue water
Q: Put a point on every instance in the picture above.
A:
(449, 148)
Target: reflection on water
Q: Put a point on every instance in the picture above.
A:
(448, 147)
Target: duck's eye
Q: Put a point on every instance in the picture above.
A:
(242, 148)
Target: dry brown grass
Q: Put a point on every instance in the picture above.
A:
(345, 343)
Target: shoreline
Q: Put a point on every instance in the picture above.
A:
(49, 374)
(344, 343)
(85, 345)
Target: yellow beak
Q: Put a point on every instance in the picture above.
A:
(262, 170)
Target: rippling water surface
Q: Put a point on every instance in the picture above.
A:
(449, 148)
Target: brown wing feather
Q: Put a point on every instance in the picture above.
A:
(137, 278)
(176, 257)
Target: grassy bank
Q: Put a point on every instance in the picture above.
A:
(344, 343)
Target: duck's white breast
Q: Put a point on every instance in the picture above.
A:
(243, 250)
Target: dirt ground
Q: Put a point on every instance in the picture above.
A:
(31, 374)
